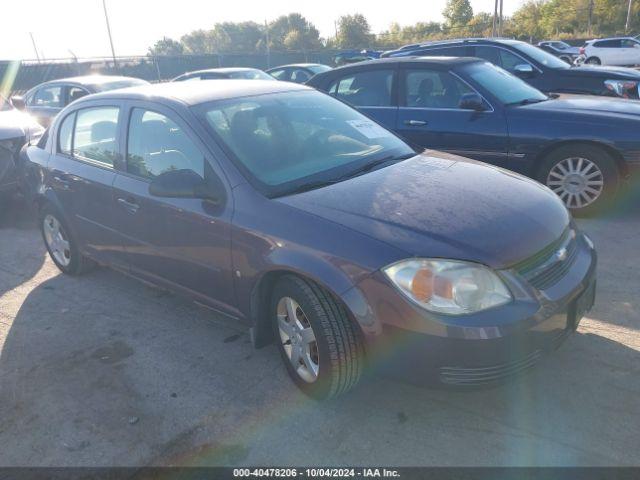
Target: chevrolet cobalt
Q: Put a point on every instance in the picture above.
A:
(319, 229)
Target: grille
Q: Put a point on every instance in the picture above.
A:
(483, 375)
(546, 268)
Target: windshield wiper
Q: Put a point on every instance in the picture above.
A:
(529, 101)
(305, 187)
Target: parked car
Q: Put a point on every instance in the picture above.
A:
(224, 73)
(536, 67)
(579, 146)
(562, 50)
(16, 129)
(297, 73)
(612, 51)
(355, 56)
(44, 101)
(324, 232)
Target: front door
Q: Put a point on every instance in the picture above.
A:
(184, 243)
(430, 117)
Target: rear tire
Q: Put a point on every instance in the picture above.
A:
(61, 244)
(593, 61)
(332, 362)
(585, 177)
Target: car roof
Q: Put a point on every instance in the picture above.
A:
(613, 38)
(91, 80)
(194, 93)
(411, 59)
(300, 65)
(222, 70)
(457, 41)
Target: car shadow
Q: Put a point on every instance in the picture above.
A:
(102, 370)
(17, 225)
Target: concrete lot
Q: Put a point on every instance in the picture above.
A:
(102, 370)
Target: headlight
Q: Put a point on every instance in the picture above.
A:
(623, 88)
(448, 286)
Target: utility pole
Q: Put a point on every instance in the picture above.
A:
(500, 22)
(626, 27)
(590, 17)
(106, 17)
(266, 30)
(494, 29)
(33, 42)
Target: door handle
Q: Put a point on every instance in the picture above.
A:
(62, 181)
(129, 205)
(416, 123)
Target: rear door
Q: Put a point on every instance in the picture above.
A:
(630, 52)
(370, 90)
(82, 173)
(430, 117)
(184, 243)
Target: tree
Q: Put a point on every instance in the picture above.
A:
(457, 13)
(293, 32)
(354, 31)
(198, 42)
(167, 46)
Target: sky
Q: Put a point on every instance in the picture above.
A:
(65, 28)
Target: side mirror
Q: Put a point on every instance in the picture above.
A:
(18, 102)
(472, 101)
(523, 70)
(183, 184)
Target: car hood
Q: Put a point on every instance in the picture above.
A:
(606, 73)
(15, 124)
(444, 206)
(589, 104)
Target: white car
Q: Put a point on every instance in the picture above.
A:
(612, 51)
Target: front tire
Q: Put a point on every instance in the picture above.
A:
(319, 344)
(586, 178)
(61, 245)
(593, 61)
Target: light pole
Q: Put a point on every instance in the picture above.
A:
(34, 46)
(106, 18)
(626, 27)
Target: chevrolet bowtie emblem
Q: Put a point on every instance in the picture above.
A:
(561, 254)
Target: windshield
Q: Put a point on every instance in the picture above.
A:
(561, 45)
(507, 88)
(134, 82)
(539, 55)
(5, 104)
(319, 68)
(286, 140)
(250, 75)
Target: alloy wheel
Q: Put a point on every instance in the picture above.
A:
(298, 339)
(577, 181)
(57, 240)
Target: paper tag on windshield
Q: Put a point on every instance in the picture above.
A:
(369, 129)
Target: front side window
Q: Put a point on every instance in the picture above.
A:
(630, 43)
(76, 93)
(48, 97)
(279, 74)
(156, 144)
(65, 134)
(507, 88)
(300, 76)
(434, 89)
(283, 140)
(365, 89)
(95, 134)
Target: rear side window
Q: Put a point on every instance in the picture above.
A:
(608, 44)
(300, 76)
(65, 134)
(95, 134)
(280, 74)
(365, 89)
(447, 52)
(157, 145)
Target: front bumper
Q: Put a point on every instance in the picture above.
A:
(487, 347)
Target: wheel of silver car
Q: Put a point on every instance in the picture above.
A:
(593, 61)
(320, 345)
(61, 244)
(585, 177)
(57, 240)
(298, 340)
(577, 181)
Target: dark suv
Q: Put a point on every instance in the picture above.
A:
(535, 66)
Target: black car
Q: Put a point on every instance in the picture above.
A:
(562, 50)
(44, 101)
(535, 66)
(238, 73)
(297, 73)
(579, 146)
(16, 129)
